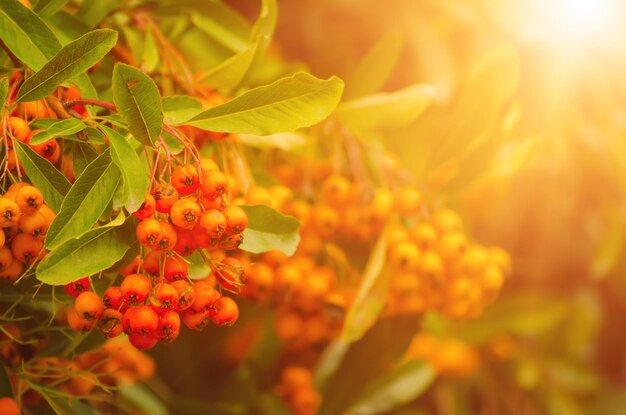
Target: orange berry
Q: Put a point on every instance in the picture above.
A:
(213, 223)
(35, 225)
(110, 324)
(147, 208)
(408, 201)
(164, 195)
(224, 312)
(149, 232)
(185, 213)
(185, 179)
(169, 237)
(141, 320)
(236, 219)
(18, 129)
(26, 248)
(50, 150)
(10, 212)
(213, 184)
(29, 199)
(8, 406)
(89, 305)
(136, 288)
(169, 326)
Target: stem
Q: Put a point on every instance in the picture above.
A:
(103, 104)
(57, 107)
(14, 59)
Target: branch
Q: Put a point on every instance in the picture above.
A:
(57, 107)
(103, 104)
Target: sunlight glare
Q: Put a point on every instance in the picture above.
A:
(574, 20)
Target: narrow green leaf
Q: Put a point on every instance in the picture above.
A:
(92, 252)
(138, 101)
(60, 128)
(386, 110)
(150, 53)
(4, 91)
(46, 8)
(220, 31)
(74, 58)
(93, 12)
(376, 67)
(85, 202)
(82, 155)
(263, 32)
(288, 104)
(66, 26)
(228, 75)
(178, 109)
(269, 230)
(143, 399)
(135, 172)
(371, 295)
(53, 185)
(26, 34)
(401, 386)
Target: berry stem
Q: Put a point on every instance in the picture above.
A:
(98, 103)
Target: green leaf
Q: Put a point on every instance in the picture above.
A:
(4, 91)
(288, 104)
(93, 12)
(53, 185)
(26, 34)
(66, 26)
(220, 31)
(85, 202)
(85, 86)
(197, 268)
(150, 53)
(46, 8)
(138, 101)
(82, 155)
(135, 172)
(228, 75)
(60, 128)
(330, 360)
(262, 32)
(401, 386)
(143, 399)
(371, 295)
(178, 109)
(386, 110)
(269, 230)
(92, 252)
(74, 58)
(375, 68)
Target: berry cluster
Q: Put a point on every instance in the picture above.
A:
(24, 222)
(436, 267)
(449, 357)
(156, 294)
(296, 389)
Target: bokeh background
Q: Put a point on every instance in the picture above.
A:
(553, 194)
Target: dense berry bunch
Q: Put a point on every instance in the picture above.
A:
(24, 222)
(436, 266)
(155, 295)
(296, 389)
